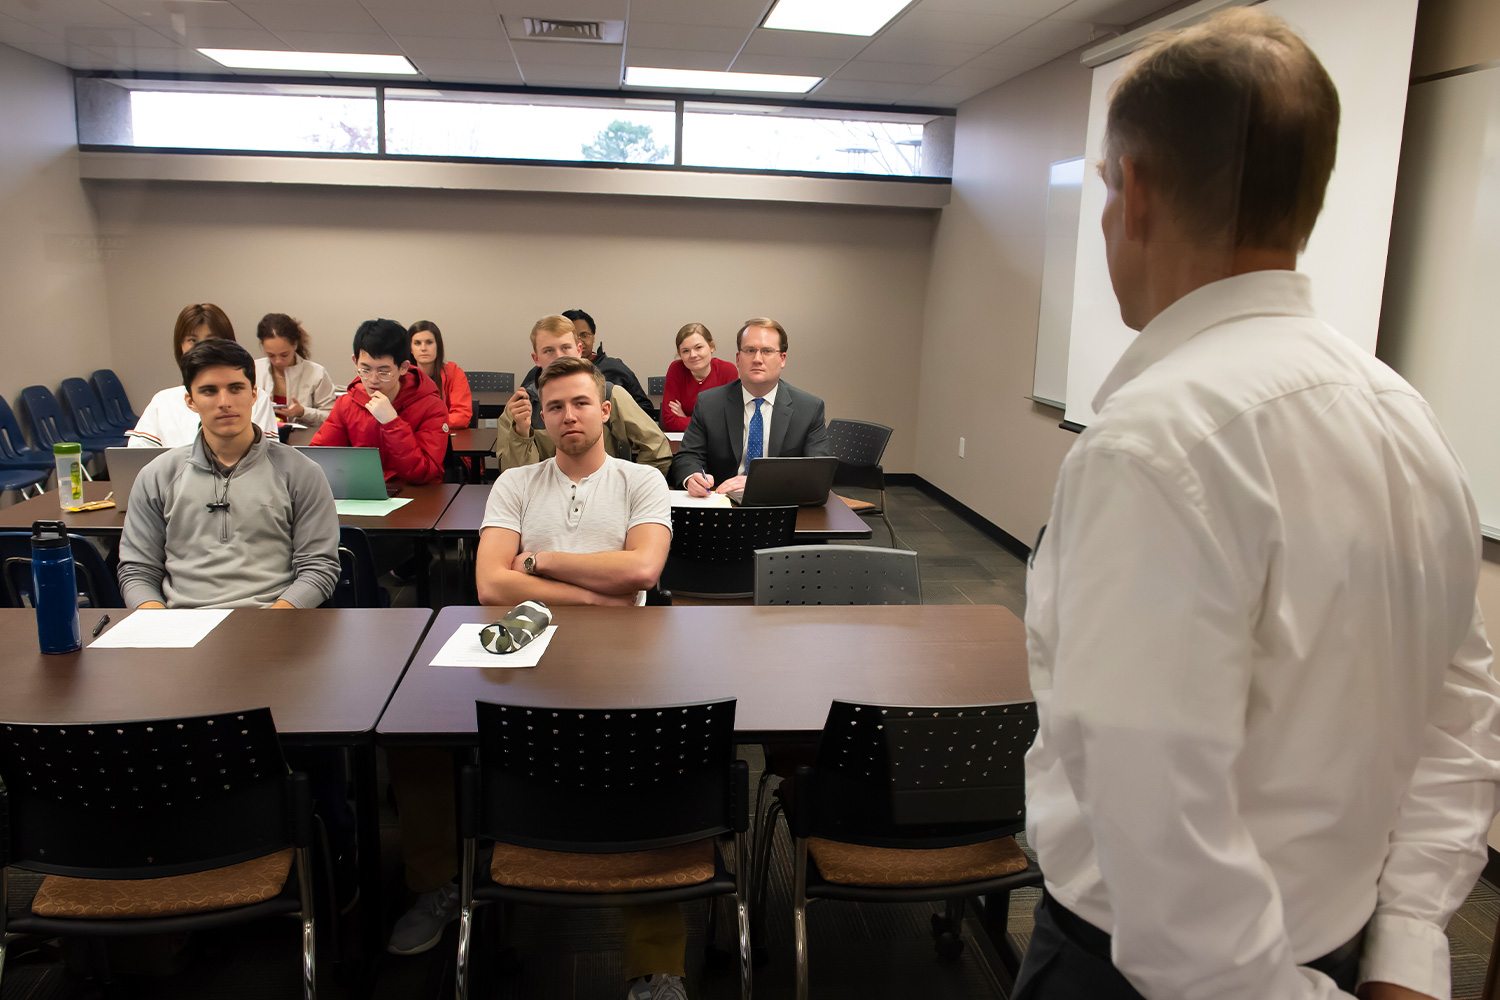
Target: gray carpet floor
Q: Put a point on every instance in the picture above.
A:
(858, 951)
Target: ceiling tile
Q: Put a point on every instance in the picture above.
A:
(112, 40)
(280, 17)
(470, 71)
(332, 41)
(445, 6)
(788, 65)
(676, 58)
(172, 61)
(177, 17)
(468, 49)
(861, 91)
(439, 24)
(29, 38)
(937, 97)
(1115, 12)
(1018, 8)
(568, 10)
(227, 38)
(977, 80)
(744, 14)
(949, 56)
(913, 74)
(1011, 60)
(954, 27)
(813, 44)
(1054, 36)
(92, 13)
(572, 76)
(692, 37)
(566, 54)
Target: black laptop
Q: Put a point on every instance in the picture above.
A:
(803, 481)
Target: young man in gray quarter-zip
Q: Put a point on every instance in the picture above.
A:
(235, 519)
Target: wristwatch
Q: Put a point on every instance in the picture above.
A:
(530, 564)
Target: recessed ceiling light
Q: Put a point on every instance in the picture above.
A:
(322, 62)
(838, 17)
(702, 79)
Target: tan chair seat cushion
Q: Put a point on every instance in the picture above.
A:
(887, 867)
(557, 871)
(252, 881)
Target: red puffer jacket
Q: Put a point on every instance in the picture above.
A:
(412, 446)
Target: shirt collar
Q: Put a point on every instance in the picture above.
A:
(769, 397)
(1256, 293)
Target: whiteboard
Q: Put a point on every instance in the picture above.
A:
(1441, 328)
(1366, 47)
(1049, 381)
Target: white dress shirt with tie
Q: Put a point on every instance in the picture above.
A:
(765, 420)
(1265, 693)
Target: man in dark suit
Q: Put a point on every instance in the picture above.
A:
(757, 416)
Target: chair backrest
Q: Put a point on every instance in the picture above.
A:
(117, 408)
(857, 442)
(12, 441)
(656, 385)
(145, 799)
(607, 780)
(49, 425)
(836, 574)
(713, 548)
(492, 381)
(97, 587)
(358, 584)
(88, 413)
(903, 776)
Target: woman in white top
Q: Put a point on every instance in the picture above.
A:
(299, 389)
(167, 422)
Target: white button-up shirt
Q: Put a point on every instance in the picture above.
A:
(1264, 688)
(765, 420)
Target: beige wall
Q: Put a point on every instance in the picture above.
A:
(1453, 34)
(979, 342)
(847, 282)
(51, 282)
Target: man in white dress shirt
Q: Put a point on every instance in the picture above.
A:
(1268, 749)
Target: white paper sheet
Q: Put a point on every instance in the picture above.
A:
(160, 629)
(680, 498)
(463, 649)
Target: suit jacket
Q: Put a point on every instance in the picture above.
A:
(715, 437)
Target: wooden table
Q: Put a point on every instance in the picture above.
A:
(784, 664)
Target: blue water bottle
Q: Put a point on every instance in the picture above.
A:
(54, 588)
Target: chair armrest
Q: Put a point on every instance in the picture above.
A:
(299, 807)
(799, 810)
(468, 801)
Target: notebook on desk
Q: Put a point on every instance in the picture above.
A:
(804, 481)
(353, 473)
(125, 465)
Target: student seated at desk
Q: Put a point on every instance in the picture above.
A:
(613, 369)
(757, 416)
(522, 436)
(167, 421)
(695, 370)
(452, 383)
(390, 405)
(235, 519)
(299, 388)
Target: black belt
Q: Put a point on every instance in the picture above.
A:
(1097, 943)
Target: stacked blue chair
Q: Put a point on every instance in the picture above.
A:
(117, 410)
(49, 426)
(88, 413)
(21, 466)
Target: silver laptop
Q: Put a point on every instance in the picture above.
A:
(125, 465)
(801, 481)
(354, 473)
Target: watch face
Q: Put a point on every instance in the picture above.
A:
(531, 564)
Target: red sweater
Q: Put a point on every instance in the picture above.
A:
(412, 446)
(455, 392)
(682, 387)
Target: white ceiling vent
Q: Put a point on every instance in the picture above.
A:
(551, 29)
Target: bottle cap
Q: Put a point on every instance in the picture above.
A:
(49, 534)
(67, 448)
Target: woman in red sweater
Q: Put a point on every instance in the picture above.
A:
(452, 383)
(695, 369)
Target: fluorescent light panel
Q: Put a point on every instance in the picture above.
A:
(702, 79)
(321, 62)
(835, 17)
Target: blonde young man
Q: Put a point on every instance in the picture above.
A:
(1268, 749)
(628, 433)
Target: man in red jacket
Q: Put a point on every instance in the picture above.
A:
(390, 405)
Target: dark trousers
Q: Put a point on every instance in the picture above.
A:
(1069, 958)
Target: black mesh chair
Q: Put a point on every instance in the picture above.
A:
(913, 804)
(96, 584)
(358, 585)
(836, 574)
(859, 445)
(154, 827)
(604, 808)
(492, 381)
(713, 548)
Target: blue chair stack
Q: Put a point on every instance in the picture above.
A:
(50, 426)
(88, 414)
(117, 409)
(21, 466)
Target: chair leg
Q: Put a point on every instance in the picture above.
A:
(799, 915)
(309, 937)
(742, 914)
(763, 860)
(465, 920)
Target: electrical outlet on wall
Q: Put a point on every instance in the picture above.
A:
(960, 447)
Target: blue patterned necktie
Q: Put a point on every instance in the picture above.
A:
(757, 436)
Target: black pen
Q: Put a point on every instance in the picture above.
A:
(100, 627)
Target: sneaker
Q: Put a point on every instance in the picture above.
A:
(421, 927)
(658, 987)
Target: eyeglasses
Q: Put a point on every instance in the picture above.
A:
(760, 352)
(375, 374)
